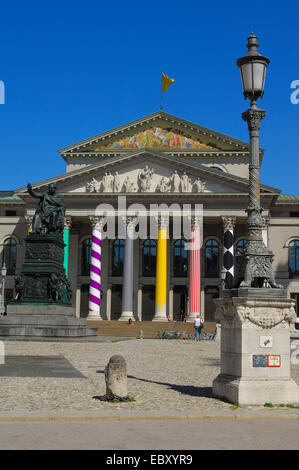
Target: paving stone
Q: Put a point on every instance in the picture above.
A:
(162, 374)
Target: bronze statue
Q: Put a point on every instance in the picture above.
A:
(49, 216)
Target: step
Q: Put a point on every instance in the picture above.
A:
(51, 331)
(42, 320)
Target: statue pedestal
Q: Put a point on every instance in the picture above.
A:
(42, 307)
(255, 347)
(43, 277)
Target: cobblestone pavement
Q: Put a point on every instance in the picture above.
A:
(162, 374)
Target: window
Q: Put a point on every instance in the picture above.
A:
(10, 213)
(86, 257)
(118, 251)
(149, 258)
(295, 296)
(240, 245)
(180, 259)
(294, 258)
(9, 256)
(212, 258)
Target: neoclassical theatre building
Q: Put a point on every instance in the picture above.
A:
(158, 159)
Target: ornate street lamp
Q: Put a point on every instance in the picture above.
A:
(254, 265)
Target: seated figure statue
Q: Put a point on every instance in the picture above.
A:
(49, 215)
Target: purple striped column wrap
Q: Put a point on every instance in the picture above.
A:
(95, 273)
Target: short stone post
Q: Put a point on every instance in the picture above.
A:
(116, 379)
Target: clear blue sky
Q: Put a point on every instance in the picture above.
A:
(75, 69)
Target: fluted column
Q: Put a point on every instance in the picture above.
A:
(194, 270)
(66, 240)
(95, 269)
(161, 271)
(228, 249)
(128, 272)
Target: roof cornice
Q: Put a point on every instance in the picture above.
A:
(159, 155)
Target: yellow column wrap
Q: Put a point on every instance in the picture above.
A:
(161, 276)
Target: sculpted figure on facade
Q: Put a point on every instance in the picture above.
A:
(185, 183)
(199, 186)
(175, 180)
(145, 178)
(129, 185)
(116, 183)
(93, 186)
(108, 180)
(164, 185)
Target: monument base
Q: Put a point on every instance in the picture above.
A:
(255, 349)
(44, 320)
(255, 392)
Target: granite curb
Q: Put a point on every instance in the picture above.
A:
(237, 414)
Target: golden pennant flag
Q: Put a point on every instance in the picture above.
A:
(166, 82)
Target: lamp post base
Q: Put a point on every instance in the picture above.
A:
(255, 350)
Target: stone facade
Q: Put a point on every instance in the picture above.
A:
(100, 171)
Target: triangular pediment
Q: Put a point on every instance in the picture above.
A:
(147, 171)
(158, 131)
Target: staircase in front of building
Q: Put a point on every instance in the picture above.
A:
(150, 329)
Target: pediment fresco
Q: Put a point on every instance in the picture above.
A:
(157, 138)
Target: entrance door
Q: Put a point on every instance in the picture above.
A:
(116, 301)
(211, 293)
(148, 303)
(179, 302)
(84, 304)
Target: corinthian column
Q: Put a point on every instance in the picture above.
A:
(128, 272)
(194, 271)
(161, 271)
(66, 239)
(228, 249)
(95, 269)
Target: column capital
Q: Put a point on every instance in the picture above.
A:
(163, 222)
(130, 221)
(67, 222)
(97, 222)
(228, 222)
(195, 222)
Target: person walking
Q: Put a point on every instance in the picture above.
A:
(198, 324)
(183, 316)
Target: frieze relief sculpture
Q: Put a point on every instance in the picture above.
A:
(185, 183)
(164, 185)
(144, 178)
(143, 182)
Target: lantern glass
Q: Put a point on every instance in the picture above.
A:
(253, 78)
(253, 70)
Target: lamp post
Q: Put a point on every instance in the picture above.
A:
(255, 317)
(2, 304)
(254, 265)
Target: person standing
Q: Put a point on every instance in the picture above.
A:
(183, 317)
(198, 324)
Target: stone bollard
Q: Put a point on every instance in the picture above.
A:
(141, 336)
(116, 379)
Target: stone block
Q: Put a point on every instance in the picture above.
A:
(252, 331)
